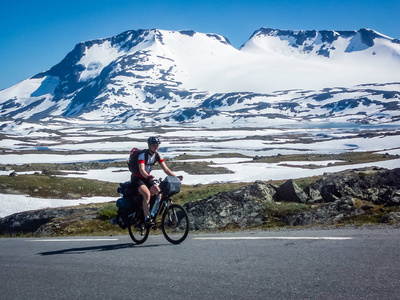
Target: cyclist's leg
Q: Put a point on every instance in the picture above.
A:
(140, 184)
(144, 191)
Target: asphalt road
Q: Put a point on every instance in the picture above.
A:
(351, 264)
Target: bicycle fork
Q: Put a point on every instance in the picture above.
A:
(172, 217)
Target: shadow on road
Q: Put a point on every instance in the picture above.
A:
(83, 250)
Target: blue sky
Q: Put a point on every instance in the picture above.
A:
(37, 34)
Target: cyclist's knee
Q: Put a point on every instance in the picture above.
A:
(144, 191)
(154, 190)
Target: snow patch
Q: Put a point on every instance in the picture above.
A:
(10, 204)
(96, 58)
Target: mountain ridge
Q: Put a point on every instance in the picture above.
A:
(324, 40)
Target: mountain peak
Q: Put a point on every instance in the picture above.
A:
(123, 43)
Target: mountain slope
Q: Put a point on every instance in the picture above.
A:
(147, 77)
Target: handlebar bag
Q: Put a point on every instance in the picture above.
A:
(170, 186)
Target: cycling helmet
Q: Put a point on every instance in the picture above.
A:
(153, 140)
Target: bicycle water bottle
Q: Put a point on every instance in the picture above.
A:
(155, 206)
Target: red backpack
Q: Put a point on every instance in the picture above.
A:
(133, 159)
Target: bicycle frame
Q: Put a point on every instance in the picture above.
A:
(163, 206)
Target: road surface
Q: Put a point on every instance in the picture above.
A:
(303, 264)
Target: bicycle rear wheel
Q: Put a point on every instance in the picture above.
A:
(175, 224)
(138, 233)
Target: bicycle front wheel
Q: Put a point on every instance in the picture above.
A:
(175, 224)
(138, 233)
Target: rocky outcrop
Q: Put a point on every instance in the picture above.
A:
(329, 214)
(378, 186)
(240, 208)
(327, 201)
(40, 222)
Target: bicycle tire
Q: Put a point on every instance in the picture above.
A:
(175, 224)
(138, 234)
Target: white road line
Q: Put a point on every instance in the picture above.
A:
(273, 238)
(73, 240)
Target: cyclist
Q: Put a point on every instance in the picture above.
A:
(142, 181)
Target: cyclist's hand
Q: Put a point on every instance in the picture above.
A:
(180, 177)
(150, 177)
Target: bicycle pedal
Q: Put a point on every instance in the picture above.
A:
(148, 224)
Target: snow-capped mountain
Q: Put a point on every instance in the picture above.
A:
(325, 43)
(163, 77)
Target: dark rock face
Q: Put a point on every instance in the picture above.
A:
(289, 191)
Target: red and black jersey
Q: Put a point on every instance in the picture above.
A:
(148, 160)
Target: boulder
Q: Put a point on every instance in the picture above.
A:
(314, 196)
(241, 208)
(290, 191)
(393, 201)
(393, 217)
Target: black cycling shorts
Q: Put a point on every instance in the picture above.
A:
(137, 182)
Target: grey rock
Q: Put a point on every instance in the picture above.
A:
(370, 184)
(330, 213)
(289, 191)
(393, 201)
(393, 217)
(241, 208)
(314, 196)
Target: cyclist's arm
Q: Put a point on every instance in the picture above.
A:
(142, 170)
(166, 169)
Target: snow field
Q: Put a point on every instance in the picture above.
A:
(194, 141)
(10, 204)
